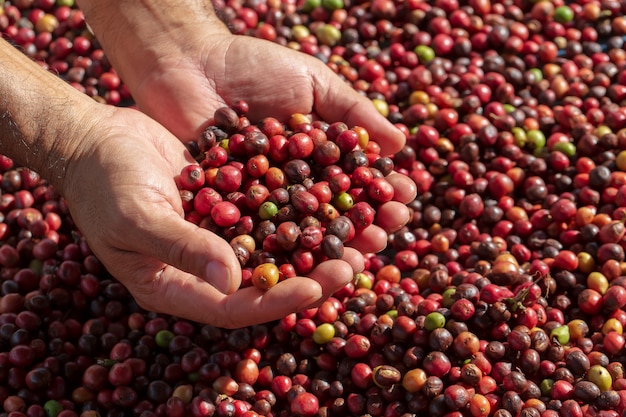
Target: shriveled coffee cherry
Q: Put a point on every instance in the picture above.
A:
(342, 227)
(297, 170)
(311, 237)
(207, 139)
(326, 153)
(305, 202)
(332, 247)
(256, 142)
(386, 375)
(288, 235)
(226, 118)
(361, 214)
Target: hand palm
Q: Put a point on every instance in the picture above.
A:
(274, 80)
(184, 97)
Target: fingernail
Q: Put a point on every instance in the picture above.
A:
(219, 276)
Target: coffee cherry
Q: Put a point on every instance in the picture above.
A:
(265, 276)
(503, 295)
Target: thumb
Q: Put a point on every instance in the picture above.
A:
(195, 250)
(340, 102)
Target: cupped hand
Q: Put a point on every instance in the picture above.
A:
(122, 195)
(186, 87)
(183, 92)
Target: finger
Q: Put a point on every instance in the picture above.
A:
(191, 298)
(405, 189)
(354, 258)
(186, 296)
(339, 102)
(192, 249)
(250, 305)
(372, 239)
(392, 216)
(334, 274)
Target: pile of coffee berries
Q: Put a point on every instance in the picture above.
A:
(289, 196)
(504, 296)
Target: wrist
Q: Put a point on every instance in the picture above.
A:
(40, 116)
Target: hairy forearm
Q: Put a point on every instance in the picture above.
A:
(39, 115)
(138, 35)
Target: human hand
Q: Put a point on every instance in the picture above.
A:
(183, 95)
(181, 68)
(116, 169)
(181, 63)
(122, 195)
(183, 92)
